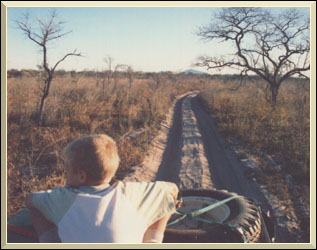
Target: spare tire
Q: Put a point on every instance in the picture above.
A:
(238, 220)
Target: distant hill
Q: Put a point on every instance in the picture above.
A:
(194, 72)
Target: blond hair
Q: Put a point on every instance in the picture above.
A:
(97, 155)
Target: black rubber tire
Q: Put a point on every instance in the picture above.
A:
(243, 215)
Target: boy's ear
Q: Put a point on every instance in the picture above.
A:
(82, 177)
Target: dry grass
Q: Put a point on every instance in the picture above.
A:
(77, 106)
(283, 133)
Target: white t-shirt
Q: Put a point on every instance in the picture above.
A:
(105, 214)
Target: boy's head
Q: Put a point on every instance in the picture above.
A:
(91, 160)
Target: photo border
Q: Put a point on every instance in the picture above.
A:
(6, 4)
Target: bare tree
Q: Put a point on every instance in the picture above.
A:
(273, 47)
(156, 77)
(131, 75)
(108, 73)
(111, 73)
(117, 69)
(48, 30)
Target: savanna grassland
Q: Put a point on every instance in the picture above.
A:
(282, 132)
(80, 103)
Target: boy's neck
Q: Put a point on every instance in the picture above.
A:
(95, 184)
(93, 189)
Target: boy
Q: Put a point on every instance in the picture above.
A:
(88, 209)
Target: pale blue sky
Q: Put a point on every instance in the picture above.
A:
(148, 39)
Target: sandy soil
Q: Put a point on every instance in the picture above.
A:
(190, 152)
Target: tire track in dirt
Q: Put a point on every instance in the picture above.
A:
(162, 161)
(171, 160)
(224, 171)
(194, 172)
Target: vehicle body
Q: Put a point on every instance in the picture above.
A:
(206, 216)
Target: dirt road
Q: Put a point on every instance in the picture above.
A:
(190, 152)
(194, 154)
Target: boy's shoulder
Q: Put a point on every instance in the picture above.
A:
(53, 203)
(59, 194)
(64, 190)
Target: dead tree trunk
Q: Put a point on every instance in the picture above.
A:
(46, 89)
(48, 30)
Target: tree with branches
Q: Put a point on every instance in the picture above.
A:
(45, 32)
(131, 75)
(111, 73)
(108, 72)
(272, 47)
